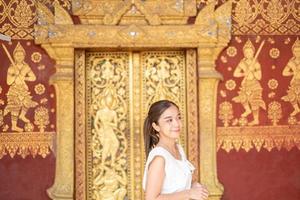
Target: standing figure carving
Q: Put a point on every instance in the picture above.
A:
(162, 74)
(250, 93)
(105, 124)
(293, 69)
(19, 99)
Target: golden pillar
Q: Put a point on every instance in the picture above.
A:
(63, 81)
(207, 90)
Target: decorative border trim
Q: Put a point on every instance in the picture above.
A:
(267, 137)
(26, 143)
(80, 142)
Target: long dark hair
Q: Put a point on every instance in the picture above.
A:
(151, 136)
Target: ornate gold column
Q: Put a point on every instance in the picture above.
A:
(207, 88)
(63, 81)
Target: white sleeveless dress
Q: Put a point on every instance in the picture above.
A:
(178, 173)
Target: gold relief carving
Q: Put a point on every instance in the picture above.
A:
(26, 143)
(192, 113)
(207, 103)
(45, 16)
(19, 100)
(61, 15)
(250, 93)
(80, 136)
(64, 3)
(156, 12)
(293, 69)
(163, 77)
(223, 21)
(64, 177)
(258, 137)
(137, 156)
(109, 36)
(108, 83)
(225, 112)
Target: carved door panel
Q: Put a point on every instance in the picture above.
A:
(114, 91)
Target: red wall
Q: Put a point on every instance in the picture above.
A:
(260, 175)
(26, 179)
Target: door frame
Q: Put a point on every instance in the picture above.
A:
(59, 36)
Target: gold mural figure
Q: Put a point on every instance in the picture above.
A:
(113, 185)
(19, 99)
(162, 74)
(293, 69)
(250, 94)
(105, 122)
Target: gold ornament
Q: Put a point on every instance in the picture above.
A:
(225, 113)
(230, 84)
(39, 89)
(274, 112)
(36, 57)
(231, 51)
(41, 118)
(274, 53)
(273, 84)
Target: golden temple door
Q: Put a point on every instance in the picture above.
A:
(116, 89)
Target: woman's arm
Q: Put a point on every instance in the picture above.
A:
(155, 178)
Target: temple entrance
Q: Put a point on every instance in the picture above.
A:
(119, 88)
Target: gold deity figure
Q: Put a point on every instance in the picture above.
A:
(19, 99)
(293, 69)
(113, 185)
(105, 124)
(250, 93)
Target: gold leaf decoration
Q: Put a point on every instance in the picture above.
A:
(258, 137)
(41, 118)
(25, 144)
(225, 112)
(274, 112)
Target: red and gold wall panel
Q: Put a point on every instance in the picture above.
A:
(258, 129)
(27, 105)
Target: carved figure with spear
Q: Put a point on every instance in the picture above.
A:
(18, 95)
(250, 94)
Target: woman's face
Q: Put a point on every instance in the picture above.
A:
(169, 124)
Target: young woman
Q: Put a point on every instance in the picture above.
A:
(168, 174)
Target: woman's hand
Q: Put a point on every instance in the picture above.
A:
(198, 192)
